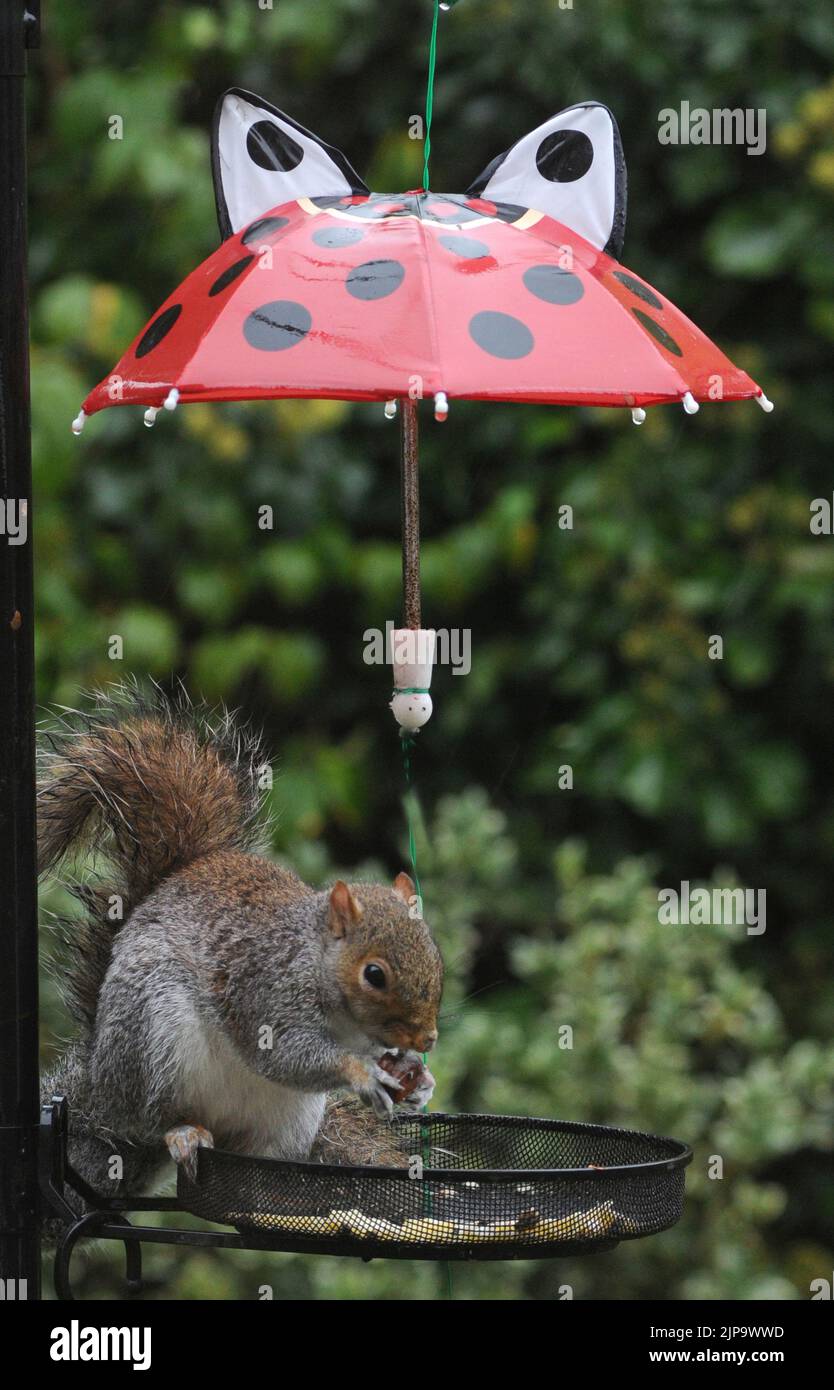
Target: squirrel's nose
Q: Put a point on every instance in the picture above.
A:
(427, 1043)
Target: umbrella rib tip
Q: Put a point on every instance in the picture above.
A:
(638, 415)
(441, 406)
(690, 404)
(763, 401)
(172, 399)
(79, 422)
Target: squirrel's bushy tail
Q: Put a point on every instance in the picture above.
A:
(152, 782)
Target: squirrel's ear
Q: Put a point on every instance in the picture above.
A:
(404, 888)
(344, 909)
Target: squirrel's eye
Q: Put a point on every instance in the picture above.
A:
(375, 976)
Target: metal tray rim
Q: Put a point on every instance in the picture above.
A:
(680, 1159)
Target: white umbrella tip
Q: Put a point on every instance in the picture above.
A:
(763, 401)
(390, 409)
(638, 415)
(441, 406)
(79, 422)
(690, 404)
(172, 399)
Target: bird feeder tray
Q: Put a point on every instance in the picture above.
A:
(492, 1188)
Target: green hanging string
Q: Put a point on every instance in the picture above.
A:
(408, 742)
(430, 96)
(408, 745)
(408, 739)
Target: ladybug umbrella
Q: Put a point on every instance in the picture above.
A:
(510, 291)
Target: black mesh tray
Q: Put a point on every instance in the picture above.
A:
(493, 1187)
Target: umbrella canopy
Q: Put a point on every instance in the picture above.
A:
(509, 291)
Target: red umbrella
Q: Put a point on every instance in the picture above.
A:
(322, 288)
(509, 291)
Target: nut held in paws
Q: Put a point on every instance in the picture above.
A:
(406, 1074)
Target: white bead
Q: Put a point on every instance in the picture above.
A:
(763, 401)
(390, 409)
(79, 422)
(690, 404)
(638, 415)
(172, 399)
(411, 711)
(441, 406)
(150, 415)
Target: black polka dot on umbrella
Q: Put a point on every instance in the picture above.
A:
(442, 210)
(637, 287)
(501, 335)
(337, 200)
(156, 331)
(657, 331)
(272, 148)
(553, 284)
(375, 279)
(230, 274)
(264, 227)
(379, 206)
(337, 236)
(452, 207)
(564, 156)
(469, 247)
(389, 207)
(509, 212)
(280, 324)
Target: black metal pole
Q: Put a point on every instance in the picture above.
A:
(19, 1206)
(410, 477)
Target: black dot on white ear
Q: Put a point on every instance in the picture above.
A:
(272, 148)
(564, 156)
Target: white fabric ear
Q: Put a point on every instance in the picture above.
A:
(572, 169)
(261, 158)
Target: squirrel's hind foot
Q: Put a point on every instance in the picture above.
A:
(184, 1142)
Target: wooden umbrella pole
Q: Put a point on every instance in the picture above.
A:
(410, 480)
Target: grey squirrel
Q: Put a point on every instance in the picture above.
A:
(221, 1000)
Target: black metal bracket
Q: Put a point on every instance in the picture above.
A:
(19, 1095)
(106, 1218)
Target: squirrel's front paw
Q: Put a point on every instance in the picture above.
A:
(410, 1082)
(184, 1142)
(422, 1089)
(374, 1092)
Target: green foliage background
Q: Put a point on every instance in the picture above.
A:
(589, 646)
